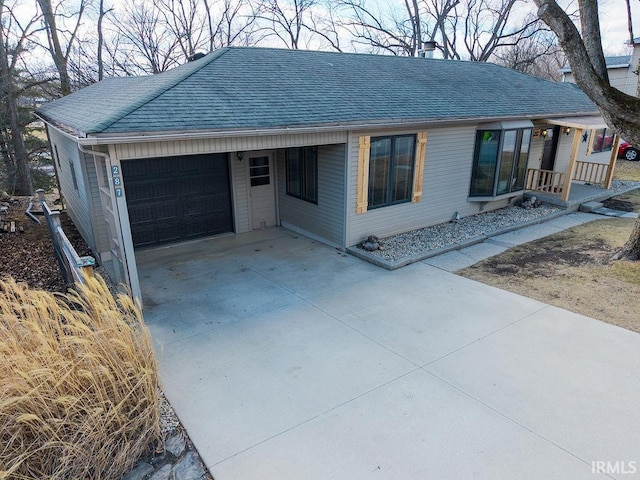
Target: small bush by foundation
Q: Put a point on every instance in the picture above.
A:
(78, 384)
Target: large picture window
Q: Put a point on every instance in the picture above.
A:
(302, 173)
(500, 162)
(391, 161)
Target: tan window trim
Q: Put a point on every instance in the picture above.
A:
(418, 168)
(364, 150)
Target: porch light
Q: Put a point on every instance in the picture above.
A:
(545, 133)
(566, 130)
(240, 156)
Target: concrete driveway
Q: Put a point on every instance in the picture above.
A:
(286, 359)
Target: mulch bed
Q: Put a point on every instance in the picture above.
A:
(29, 256)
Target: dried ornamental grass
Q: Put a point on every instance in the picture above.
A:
(78, 378)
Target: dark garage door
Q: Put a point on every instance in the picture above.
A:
(171, 199)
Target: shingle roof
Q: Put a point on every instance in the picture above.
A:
(248, 88)
(619, 61)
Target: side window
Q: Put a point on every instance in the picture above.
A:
(391, 164)
(73, 175)
(302, 173)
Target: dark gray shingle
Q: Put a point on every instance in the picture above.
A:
(248, 88)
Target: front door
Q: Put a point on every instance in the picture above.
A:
(550, 148)
(262, 190)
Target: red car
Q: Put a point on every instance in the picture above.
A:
(628, 152)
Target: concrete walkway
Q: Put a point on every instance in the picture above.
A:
(286, 359)
(465, 257)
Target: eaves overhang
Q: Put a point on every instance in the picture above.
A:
(105, 138)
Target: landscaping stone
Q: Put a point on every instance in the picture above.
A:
(189, 468)
(140, 471)
(163, 473)
(411, 246)
(175, 444)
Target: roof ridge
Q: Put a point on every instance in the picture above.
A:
(156, 92)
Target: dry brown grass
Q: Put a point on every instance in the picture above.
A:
(572, 270)
(626, 170)
(78, 384)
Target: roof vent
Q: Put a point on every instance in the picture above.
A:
(196, 56)
(427, 49)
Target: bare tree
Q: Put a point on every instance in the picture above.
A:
(142, 44)
(540, 56)
(470, 29)
(327, 26)
(629, 21)
(15, 82)
(441, 12)
(486, 25)
(285, 19)
(585, 55)
(230, 22)
(102, 12)
(60, 39)
(186, 20)
(395, 30)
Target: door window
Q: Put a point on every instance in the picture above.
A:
(259, 171)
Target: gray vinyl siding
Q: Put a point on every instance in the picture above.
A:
(226, 144)
(536, 149)
(447, 176)
(564, 152)
(240, 194)
(76, 201)
(324, 221)
(97, 215)
(618, 78)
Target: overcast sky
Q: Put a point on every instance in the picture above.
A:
(613, 24)
(613, 19)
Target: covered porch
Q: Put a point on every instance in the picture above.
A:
(580, 180)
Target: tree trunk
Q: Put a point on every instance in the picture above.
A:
(590, 23)
(22, 174)
(621, 111)
(55, 47)
(631, 249)
(23, 185)
(586, 58)
(100, 41)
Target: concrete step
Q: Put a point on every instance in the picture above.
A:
(614, 213)
(590, 206)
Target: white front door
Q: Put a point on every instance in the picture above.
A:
(262, 190)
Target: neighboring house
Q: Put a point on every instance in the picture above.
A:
(334, 146)
(622, 70)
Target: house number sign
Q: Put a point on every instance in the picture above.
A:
(117, 181)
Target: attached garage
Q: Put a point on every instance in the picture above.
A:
(172, 199)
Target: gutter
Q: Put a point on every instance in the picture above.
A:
(111, 139)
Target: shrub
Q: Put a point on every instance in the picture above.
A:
(78, 384)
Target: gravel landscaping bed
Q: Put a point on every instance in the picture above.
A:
(618, 186)
(418, 242)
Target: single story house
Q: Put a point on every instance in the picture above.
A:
(334, 146)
